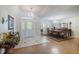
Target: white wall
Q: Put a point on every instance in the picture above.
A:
(4, 12)
(15, 12)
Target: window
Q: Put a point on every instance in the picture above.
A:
(29, 25)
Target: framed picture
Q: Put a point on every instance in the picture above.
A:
(10, 23)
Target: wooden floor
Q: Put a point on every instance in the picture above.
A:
(70, 46)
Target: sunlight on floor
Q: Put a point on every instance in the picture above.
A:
(32, 41)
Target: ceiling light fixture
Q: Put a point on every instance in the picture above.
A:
(30, 13)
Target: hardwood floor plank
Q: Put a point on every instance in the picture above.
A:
(70, 46)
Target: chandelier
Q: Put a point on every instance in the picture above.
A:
(30, 13)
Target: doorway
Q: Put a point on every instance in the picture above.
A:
(26, 28)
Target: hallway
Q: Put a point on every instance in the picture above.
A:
(23, 27)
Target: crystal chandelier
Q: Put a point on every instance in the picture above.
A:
(30, 13)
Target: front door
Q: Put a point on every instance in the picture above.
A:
(26, 28)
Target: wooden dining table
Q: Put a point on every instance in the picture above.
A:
(62, 32)
(57, 32)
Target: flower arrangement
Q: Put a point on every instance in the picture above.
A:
(10, 38)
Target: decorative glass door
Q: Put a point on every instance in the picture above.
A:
(26, 28)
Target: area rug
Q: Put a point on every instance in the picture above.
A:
(60, 39)
(25, 42)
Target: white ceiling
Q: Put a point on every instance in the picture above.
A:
(51, 11)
